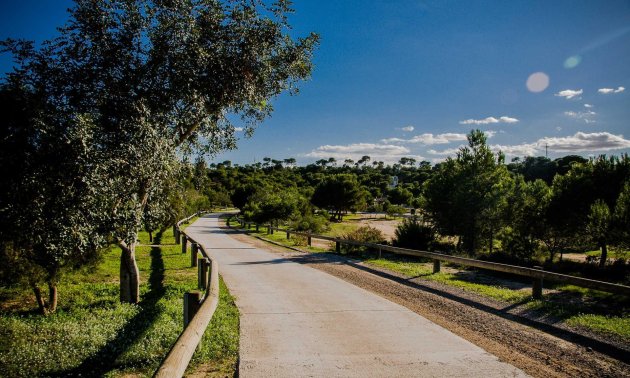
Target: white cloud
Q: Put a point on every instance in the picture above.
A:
(428, 139)
(387, 153)
(588, 106)
(407, 128)
(525, 149)
(581, 142)
(611, 90)
(491, 133)
(238, 129)
(489, 120)
(569, 93)
(587, 116)
(447, 152)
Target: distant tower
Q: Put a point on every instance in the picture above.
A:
(546, 154)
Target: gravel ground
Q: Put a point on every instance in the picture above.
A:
(538, 347)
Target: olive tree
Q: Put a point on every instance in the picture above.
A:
(155, 79)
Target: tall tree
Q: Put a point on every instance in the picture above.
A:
(154, 79)
(465, 196)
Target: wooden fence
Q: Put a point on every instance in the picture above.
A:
(198, 309)
(537, 274)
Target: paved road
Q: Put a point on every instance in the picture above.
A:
(300, 322)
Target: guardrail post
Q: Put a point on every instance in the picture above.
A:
(202, 273)
(191, 305)
(208, 272)
(537, 285)
(380, 252)
(436, 266)
(194, 247)
(257, 227)
(176, 233)
(184, 242)
(308, 241)
(337, 246)
(288, 235)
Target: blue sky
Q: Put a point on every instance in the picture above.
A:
(411, 78)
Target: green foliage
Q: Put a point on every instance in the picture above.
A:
(395, 210)
(466, 196)
(413, 234)
(339, 193)
(364, 234)
(310, 223)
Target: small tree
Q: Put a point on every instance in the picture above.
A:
(339, 193)
(599, 227)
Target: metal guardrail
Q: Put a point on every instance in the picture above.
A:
(536, 273)
(198, 311)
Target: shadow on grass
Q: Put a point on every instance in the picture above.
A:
(105, 359)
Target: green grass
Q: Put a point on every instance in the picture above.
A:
(93, 334)
(425, 271)
(612, 254)
(611, 325)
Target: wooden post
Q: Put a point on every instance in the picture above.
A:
(209, 266)
(202, 273)
(308, 241)
(380, 252)
(537, 286)
(288, 235)
(191, 305)
(436, 266)
(337, 246)
(194, 247)
(257, 227)
(184, 242)
(176, 233)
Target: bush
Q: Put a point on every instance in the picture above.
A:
(414, 234)
(365, 234)
(310, 223)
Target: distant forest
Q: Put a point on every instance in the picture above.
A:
(521, 210)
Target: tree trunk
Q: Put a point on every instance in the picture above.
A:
(129, 274)
(40, 301)
(52, 297)
(150, 236)
(602, 260)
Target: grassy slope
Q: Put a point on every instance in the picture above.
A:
(602, 313)
(93, 334)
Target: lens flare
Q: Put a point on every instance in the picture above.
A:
(537, 82)
(572, 61)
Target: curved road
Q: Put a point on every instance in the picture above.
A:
(300, 322)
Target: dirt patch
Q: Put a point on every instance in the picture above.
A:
(386, 226)
(538, 348)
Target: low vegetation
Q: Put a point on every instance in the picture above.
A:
(93, 334)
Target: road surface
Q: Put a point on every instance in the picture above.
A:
(300, 322)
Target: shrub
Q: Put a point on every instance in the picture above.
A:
(414, 234)
(365, 234)
(310, 223)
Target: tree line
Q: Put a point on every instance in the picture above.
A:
(521, 209)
